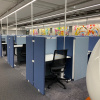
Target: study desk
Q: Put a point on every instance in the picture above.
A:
(17, 46)
(49, 57)
(4, 43)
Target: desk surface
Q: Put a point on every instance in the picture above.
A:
(4, 43)
(49, 57)
(89, 51)
(16, 46)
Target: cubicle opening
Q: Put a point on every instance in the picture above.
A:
(20, 54)
(4, 46)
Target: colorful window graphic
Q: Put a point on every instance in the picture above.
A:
(54, 31)
(88, 30)
(45, 31)
(60, 31)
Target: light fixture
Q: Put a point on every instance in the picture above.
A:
(60, 14)
(18, 9)
(47, 16)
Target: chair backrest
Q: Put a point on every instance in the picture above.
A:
(23, 49)
(59, 58)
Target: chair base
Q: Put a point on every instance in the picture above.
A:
(55, 81)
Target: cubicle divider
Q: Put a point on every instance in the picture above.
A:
(29, 58)
(36, 59)
(80, 57)
(69, 45)
(10, 50)
(41, 47)
(77, 48)
(4, 38)
(92, 42)
(20, 40)
(0, 46)
(39, 64)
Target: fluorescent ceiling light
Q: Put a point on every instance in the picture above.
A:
(18, 9)
(51, 15)
(60, 14)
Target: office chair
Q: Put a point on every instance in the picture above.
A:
(23, 51)
(58, 63)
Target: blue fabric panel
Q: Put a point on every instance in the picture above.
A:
(51, 46)
(0, 46)
(4, 37)
(39, 64)
(68, 71)
(60, 43)
(21, 40)
(69, 45)
(29, 58)
(12, 51)
(8, 49)
(92, 42)
(81, 51)
(15, 38)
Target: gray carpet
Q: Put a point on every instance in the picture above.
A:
(13, 86)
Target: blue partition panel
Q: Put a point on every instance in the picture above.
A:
(39, 64)
(4, 38)
(60, 43)
(0, 46)
(51, 46)
(92, 42)
(69, 47)
(12, 51)
(8, 49)
(80, 62)
(21, 40)
(29, 58)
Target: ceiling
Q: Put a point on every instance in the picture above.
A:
(43, 8)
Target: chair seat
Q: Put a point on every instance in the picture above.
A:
(56, 68)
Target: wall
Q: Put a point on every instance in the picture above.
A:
(12, 32)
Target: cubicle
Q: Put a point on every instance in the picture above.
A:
(77, 49)
(11, 46)
(41, 51)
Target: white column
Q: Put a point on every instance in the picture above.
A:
(16, 21)
(7, 25)
(1, 27)
(32, 17)
(65, 21)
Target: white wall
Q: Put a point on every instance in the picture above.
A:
(13, 32)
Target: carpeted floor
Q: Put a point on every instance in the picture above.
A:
(13, 86)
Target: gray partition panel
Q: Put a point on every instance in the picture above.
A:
(80, 63)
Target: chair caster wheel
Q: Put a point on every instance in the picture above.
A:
(66, 81)
(48, 87)
(64, 87)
